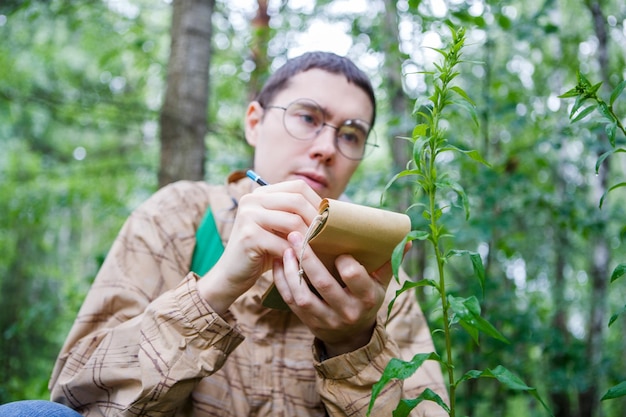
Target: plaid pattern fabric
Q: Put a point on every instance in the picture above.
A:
(146, 344)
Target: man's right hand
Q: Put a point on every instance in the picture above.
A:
(264, 219)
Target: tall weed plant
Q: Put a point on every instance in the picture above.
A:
(433, 184)
(587, 102)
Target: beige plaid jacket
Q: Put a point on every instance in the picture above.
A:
(146, 344)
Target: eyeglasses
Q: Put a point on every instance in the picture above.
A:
(304, 119)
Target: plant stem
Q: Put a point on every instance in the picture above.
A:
(444, 304)
(440, 101)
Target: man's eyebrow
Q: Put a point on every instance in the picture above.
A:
(327, 114)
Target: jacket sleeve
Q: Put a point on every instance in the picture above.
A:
(345, 382)
(144, 336)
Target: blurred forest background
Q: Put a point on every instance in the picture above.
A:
(86, 106)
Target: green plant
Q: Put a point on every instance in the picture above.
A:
(434, 183)
(587, 101)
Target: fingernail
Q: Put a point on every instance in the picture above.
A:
(289, 255)
(296, 239)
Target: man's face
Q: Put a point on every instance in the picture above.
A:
(279, 156)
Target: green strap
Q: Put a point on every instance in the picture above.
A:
(209, 246)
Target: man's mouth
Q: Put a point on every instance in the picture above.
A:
(314, 180)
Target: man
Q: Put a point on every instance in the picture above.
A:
(154, 339)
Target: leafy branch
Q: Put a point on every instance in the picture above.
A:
(429, 142)
(586, 94)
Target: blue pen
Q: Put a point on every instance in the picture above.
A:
(255, 177)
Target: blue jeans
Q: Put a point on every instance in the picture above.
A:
(36, 408)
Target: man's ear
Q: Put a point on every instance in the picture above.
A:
(253, 120)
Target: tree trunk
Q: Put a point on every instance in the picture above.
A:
(589, 398)
(558, 357)
(401, 125)
(398, 102)
(183, 118)
(258, 49)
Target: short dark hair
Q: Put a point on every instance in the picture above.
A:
(326, 61)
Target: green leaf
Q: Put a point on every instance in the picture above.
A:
(606, 112)
(621, 184)
(407, 405)
(506, 378)
(409, 285)
(594, 89)
(423, 108)
(500, 373)
(617, 391)
(583, 113)
(441, 51)
(414, 4)
(570, 93)
(444, 184)
(582, 80)
(468, 311)
(479, 269)
(611, 130)
(616, 316)
(580, 100)
(405, 173)
(399, 369)
(458, 189)
(509, 379)
(471, 330)
(477, 263)
(618, 272)
(419, 148)
(420, 130)
(471, 110)
(602, 157)
(398, 252)
(474, 154)
(463, 94)
(472, 374)
(617, 91)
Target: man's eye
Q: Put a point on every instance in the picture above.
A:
(352, 137)
(308, 118)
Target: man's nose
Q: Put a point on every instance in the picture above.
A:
(324, 144)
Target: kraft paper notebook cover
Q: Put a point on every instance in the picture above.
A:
(369, 234)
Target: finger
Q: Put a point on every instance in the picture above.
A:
(355, 277)
(280, 280)
(383, 274)
(289, 197)
(283, 212)
(281, 222)
(295, 186)
(324, 283)
(295, 291)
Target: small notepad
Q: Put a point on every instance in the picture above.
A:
(368, 234)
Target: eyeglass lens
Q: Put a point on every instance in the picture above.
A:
(304, 119)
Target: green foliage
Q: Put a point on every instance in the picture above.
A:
(399, 369)
(430, 141)
(586, 92)
(77, 154)
(506, 378)
(617, 391)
